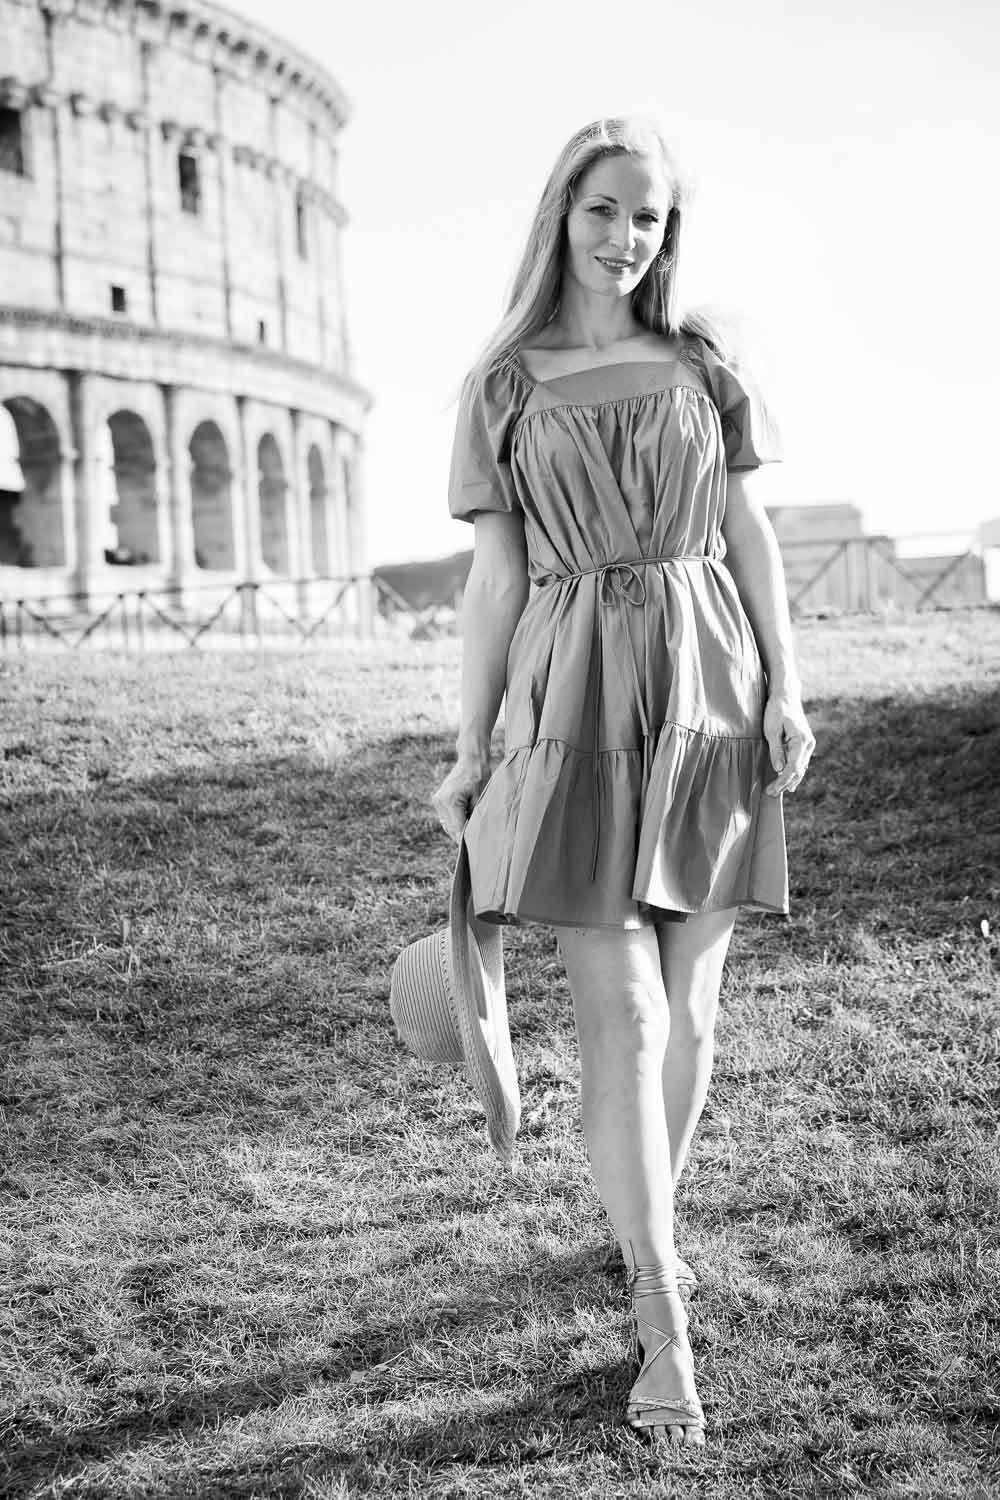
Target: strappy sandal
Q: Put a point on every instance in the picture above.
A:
(687, 1281)
(650, 1341)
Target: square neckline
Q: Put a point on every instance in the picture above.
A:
(611, 364)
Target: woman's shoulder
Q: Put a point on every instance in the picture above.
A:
(491, 401)
(750, 431)
(501, 386)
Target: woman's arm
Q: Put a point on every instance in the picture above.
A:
(492, 604)
(754, 559)
(495, 595)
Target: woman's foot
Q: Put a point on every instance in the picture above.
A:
(664, 1398)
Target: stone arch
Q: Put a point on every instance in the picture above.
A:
(31, 518)
(272, 489)
(134, 528)
(318, 502)
(211, 498)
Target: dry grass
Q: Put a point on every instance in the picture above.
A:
(251, 1248)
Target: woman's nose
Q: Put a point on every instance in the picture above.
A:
(623, 234)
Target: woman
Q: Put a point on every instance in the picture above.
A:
(602, 450)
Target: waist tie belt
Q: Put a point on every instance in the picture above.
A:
(620, 582)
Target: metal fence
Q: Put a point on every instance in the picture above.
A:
(250, 612)
(866, 574)
(850, 575)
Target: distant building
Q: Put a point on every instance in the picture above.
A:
(815, 523)
(828, 564)
(831, 563)
(420, 586)
(176, 397)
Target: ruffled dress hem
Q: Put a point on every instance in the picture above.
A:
(678, 828)
(521, 918)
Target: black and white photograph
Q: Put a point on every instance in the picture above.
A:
(500, 727)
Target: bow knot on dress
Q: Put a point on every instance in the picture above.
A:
(616, 580)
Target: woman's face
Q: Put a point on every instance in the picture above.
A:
(616, 224)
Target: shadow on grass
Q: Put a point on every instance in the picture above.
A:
(268, 900)
(896, 825)
(530, 1428)
(203, 937)
(194, 932)
(591, 1400)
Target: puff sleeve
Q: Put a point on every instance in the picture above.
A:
(480, 477)
(749, 431)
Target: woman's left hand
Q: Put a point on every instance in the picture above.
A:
(789, 739)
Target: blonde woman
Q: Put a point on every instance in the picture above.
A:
(627, 594)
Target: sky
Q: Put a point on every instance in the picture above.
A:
(843, 160)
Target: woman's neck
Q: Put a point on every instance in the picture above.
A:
(586, 322)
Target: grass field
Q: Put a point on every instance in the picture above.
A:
(249, 1247)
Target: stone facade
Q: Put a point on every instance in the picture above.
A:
(176, 402)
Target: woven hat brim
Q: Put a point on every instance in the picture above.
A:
(419, 1002)
(479, 995)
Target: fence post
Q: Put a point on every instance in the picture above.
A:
(366, 611)
(248, 611)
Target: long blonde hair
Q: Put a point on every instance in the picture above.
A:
(533, 299)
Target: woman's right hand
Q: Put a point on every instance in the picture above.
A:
(458, 794)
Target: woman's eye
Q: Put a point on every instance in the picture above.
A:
(605, 208)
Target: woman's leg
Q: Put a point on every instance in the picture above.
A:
(623, 1024)
(692, 955)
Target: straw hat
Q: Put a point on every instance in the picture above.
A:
(448, 1001)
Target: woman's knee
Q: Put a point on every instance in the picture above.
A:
(692, 960)
(616, 983)
(693, 1016)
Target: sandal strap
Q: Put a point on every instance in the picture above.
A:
(676, 1412)
(667, 1335)
(667, 1338)
(667, 1403)
(651, 1281)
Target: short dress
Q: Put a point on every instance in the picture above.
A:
(631, 787)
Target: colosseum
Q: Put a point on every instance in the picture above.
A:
(176, 402)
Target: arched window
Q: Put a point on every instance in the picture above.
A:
(211, 503)
(272, 489)
(31, 517)
(133, 534)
